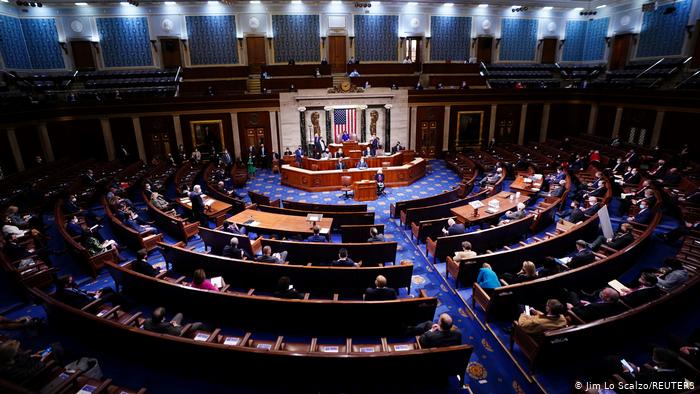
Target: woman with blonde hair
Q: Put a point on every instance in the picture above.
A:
(527, 273)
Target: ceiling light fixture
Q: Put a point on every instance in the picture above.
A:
(81, 4)
(601, 6)
(483, 6)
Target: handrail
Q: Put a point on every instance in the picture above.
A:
(650, 67)
(687, 79)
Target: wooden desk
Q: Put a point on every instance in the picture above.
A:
(364, 190)
(214, 209)
(465, 213)
(348, 146)
(314, 181)
(268, 222)
(353, 158)
(521, 186)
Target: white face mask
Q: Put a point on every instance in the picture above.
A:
(642, 206)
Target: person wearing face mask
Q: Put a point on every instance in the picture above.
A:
(643, 216)
(575, 214)
(619, 167)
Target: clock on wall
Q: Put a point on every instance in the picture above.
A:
(345, 86)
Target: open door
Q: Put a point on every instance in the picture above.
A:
(620, 51)
(255, 47)
(83, 55)
(484, 49)
(170, 52)
(337, 53)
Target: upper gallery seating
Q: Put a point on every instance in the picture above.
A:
(527, 75)
(642, 74)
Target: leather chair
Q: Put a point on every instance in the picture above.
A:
(346, 181)
(275, 166)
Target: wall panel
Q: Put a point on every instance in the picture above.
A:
(376, 37)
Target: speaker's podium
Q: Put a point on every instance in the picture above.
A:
(364, 190)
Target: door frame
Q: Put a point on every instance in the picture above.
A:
(179, 45)
(347, 49)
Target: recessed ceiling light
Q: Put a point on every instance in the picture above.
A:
(254, 1)
(336, 2)
(483, 5)
(296, 1)
(515, 6)
(212, 2)
(5, 1)
(547, 8)
(601, 6)
(170, 3)
(578, 8)
(124, 3)
(449, 4)
(81, 4)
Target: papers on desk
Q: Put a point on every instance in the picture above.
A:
(314, 218)
(201, 337)
(494, 204)
(402, 348)
(251, 222)
(208, 203)
(264, 346)
(617, 285)
(325, 230)
(329, 349)
(185, 200)
(232, 341)
(476, 204)
(217, 281)
(366, 350)
(563, 260)
(102, 313)
(88, 388)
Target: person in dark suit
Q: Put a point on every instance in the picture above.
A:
(89, 178)
(643, 216)
(74, 228)
(198, 206)
(375, 235)
(575, 214)
(660, 170)
(619, 167)
(232, 250)
(620, 239)
(647, 291)
(367, 152)
(397, 148)
(374, 145)
(380, 292)
(317, 144)
(362, 164)
(607, 305)
(268, 257)
(583, 255)
(298, 154)
(147, 190)
(672, 177)
(340, 165)
(316, 237)
(174, 327)
(453, 228)
(379, 178)
(68, 292)
(438, 334)
(343, 260)
(632, 176)
(339, 154)
(664, 371)
(142, 266)
(593, 207)
(233, 228)
(263, 156)
(286, 290)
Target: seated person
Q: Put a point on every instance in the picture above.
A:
(664, 371)
(93, 246)
(621, 239)
(593, 207)
(14, 250)
(353, 73)
(16, 365)
(519, 213)
(325, 154)
(341, 165)
(174, 327)
(643, 193)
(550, 266)
(269, 257)
(200, 281)
(159, 202)
(142, 266)
(672, 177)
(230, 227)
(397, 148)
(575, 214)
(343, 260)
(339, 154)
(362, 164)
(440, 334)
(631, 176)
(232, 250)
(583, 256)
(537, 322)
(367, 152)
(647, 291)
(608, 304)
(68, 292)
(221, 186)
(487, 279)
(555, 190)
(286, 290)
(316, 237)
(527, 273)
(492, 177)
(599, 191)
(380, 292)
(375, 235)
(287, 152)
(672, 274)
(453, 228)
(643, 216)
(73, 227)
(465, 254)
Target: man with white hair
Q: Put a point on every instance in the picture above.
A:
(198, 206)
(453, 228)
(593, 207)
(491, 178)
(519, 213)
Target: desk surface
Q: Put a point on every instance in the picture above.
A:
(465, 213)
(275, 222)
(213, 207)
(519, 184)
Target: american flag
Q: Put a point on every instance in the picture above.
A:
(343, 119)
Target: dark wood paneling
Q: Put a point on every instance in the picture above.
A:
(225, 123)
(433, 118)
(299, 83)
(170, 52)
(486, 119)
(533, 122)
(337, 54)
(484, 49)
(77, 139)
(695, 63)
(620, 52)
(385, 68)
(29, 144)
(123, 134)
(638, 124)
(255, 120)
(675, 129)
(507, 122)
(7, 161)
(215, 72)
(158, 136)
(83, 56)
(303, 70)
(450, 68)
(386, 81)
(255, 50)
(605, 121)
(568, 119)
(549, 50)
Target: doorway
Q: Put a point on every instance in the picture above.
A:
(337, 53)
(413, 49)
(620, 51)
(255, 47)
(484, 49)
(170, 52)
(83, 56)
(549, 50)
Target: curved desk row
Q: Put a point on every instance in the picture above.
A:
(351, 159)
(316, 181)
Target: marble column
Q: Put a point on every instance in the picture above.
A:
(387, 128)
(412, 128)
(363, 126)
(616, 125)
(523, 119)
(329, 133)
(302, 129)
(107, 136)
(178, 130)
(656, 133)
(592, 119)
(45, 142)
(445, 129)
(16, 152)
(236, 135)
(492, 122)
(545, 123)
(139, 138)
(273, 132)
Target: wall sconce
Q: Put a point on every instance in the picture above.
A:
(474, 42)
(689, 30)
(153, 44)
(498, 42)
(539, 43)
(64, 46)
(96, 46)
(240, 41)
(561, 43)
(323, 41)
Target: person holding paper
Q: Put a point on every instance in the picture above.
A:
(583, 256)
(647, 291)
(286, 290)
(593, 207)
(453, 228)
(537, 322)
(362, 164)
(200, 281)
(269, 257)
(620, 240)
(466, 253)
(527, 273)
(608, 304)
(519, 213)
